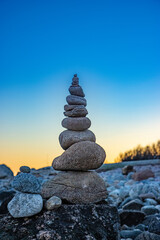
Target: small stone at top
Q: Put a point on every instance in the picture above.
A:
(75, 80)
(25, 169)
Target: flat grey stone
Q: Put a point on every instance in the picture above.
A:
(67, 138)
(78, 111)
(27, 183)
(25, 205)
(76, 100)
(81, 156)
(75, 187)
(149, 210)
(76, 124)
(134, 205)
(130, 233)
(71, 107)
(76, 90)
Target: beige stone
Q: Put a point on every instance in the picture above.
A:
(81, 156)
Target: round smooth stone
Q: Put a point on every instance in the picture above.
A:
(76, 100)
(76, 124)
(78, 111)
(76, 90)
(81, 156)
(68, 137)
(25, 205)
(25, 169)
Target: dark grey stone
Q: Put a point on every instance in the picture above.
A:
(76, 124)
(131, 217)
(79, 111)
(5, 172)
(25, 169)
(134, 205)
(5, 198)
(76, 90)
(71, 107)
(154, 225)
(27, 183)
(149, 210)
(76, 100)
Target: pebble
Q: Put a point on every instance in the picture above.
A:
(149, 210)
(25, 169)
(53, 203)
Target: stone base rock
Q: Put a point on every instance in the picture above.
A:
(81, 156)
(69, 222)
(68, 137)
(76, 187)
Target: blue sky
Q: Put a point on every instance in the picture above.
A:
(114, 48)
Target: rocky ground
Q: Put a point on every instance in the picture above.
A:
(136, 195)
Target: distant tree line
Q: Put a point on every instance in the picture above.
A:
(141, 153)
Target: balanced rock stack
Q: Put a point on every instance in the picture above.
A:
(76, 183)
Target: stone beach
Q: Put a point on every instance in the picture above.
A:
(70, 201)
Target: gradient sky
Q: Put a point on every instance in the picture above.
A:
(112, 45)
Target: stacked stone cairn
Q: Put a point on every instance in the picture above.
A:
(27, 200)
(76, 183)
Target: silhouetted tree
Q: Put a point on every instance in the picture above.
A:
(141, 153)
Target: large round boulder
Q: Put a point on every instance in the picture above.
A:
(81, 156)
(76, 100)
(77, 123)
(75, 187)
(68, 137)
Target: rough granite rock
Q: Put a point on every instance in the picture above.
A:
(76, 124)
(81, 156)
(79, 111)
(68, 137)
(69, 222)
(75, 187)
(76, 100)
(76, 90)
(27, 183)
(25, 205)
